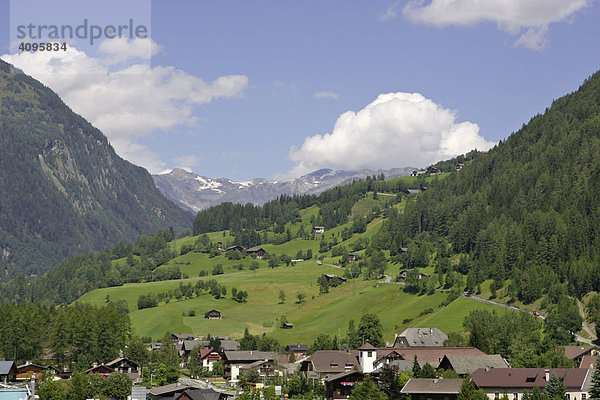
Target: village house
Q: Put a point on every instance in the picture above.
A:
(514, 382)
(257, 252)
(299, 350)
(433, 171)
(28, 370)
(588, 362)
(576, 353)
(329, 362)
(340, 386)
(421, 337)
(179, 338)
(208, 358)
(425, 355)
(236, 360)
(318, 229)
(167, 392)
(234, 248)
(213, 314)
(432, 389)
(8, 371)
(466, 365)
(126, 366)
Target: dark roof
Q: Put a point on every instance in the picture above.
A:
(229, 345)
(331, 361)
(341, 375)
(255, 249)
(7, 367)
(438, 386)
(206, 352)
(398, 365)
(527, 377)
(182, 335)
(234, 248)
(423, 337)
(172, 388)
(100, 369)
(250, 355)
(297, 347)
(188, 345)
(573, 352)
(202, 394)
(367, 346)
(468, 364)
(217, 311)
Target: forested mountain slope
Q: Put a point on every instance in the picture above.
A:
(63, 189)
(528, 210)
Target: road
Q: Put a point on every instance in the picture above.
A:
(329, 265)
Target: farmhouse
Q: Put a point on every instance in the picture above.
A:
(287, 325)
(326, 362)
(421, 337)
(100, 369)
(318, 229)
(28, 370)
(213, 314)
(235, 360)
(339, 386)
(433, 171)
(514, 382)
(167, 392)
(257, 252)
(179, 338)
(353, 257)
(576, 353)
(234, 248)
(208, 358)
(201, 394)
(432, 389)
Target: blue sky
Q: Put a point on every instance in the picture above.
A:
(475, 80)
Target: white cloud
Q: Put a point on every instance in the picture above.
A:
(326, 95)
(187, 162)
(119, 50)
(527, 18)
(390, 13)
(395, 130)
(130, 101)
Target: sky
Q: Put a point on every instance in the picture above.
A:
(279, 88)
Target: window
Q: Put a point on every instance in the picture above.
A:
(516, 396)
(496, 395)
(370, 354)
(333, 365)
(583, 396)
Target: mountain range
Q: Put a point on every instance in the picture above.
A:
(63, 189)
(195, 192)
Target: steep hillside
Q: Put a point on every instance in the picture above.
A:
(526, 213)
(63, 189)
(197, 193)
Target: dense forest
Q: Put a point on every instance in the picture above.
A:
(525, 214)
(63, 189)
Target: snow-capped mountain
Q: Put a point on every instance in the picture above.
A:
(196, 192)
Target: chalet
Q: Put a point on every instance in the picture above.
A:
(466, 365)
(257, 252)
(234, 248)
(267, 369)
(353, 257)
(459, 166)
(179, 338)
(235, 360)
(421, 337)
(201, 394)
(167, 392)
(208, 358)
(298, 350)
(318, 229)
(8, 371)
(287, 325)
(514, 382)
(100, 369)
(432, 389)
(576, 353)
(155, 346)
(126, 366)
(433, 171)
(28, 370)
(213, 314)
(329, 362)
(340, 386)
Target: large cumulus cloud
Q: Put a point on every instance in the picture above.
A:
(396, 130)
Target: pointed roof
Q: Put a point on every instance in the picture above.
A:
(367, 347)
